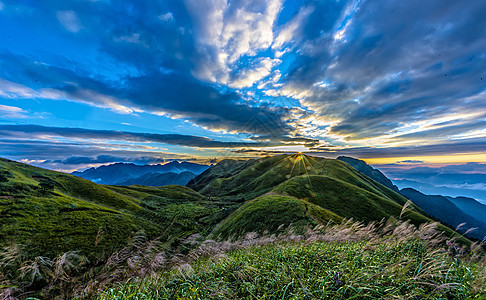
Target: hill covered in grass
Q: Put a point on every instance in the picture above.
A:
(50, 213)
(299, 189)
(50, 218)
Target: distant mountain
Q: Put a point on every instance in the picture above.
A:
(470, 206)
(453, 180)
(119, 173)
(446, 210)
(452, 211)
(160, 179)
(369, 171)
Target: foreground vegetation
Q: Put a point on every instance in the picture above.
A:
(68, 237)
(346, 261)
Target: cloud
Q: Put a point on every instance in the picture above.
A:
(386, 76)
(103, 159)
(12, 112)
(174, 94)
(228, 31)
(167, 17)
(408, 161)
(446, 148)
(356, 74)
(69, 20)
(11, 131)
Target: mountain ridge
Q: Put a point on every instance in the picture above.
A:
(118, 173)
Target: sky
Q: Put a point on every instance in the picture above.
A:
(397, 83)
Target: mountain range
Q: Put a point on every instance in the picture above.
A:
(48, 214)
(465, 212)
(51, 212)
(128, 173)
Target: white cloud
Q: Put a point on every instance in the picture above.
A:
(90, 97)
(167, 17)
(12, 111)
(2, 6)
(290, 30)
(247, 77)
(12, 90)
(69, 20)
(227, 31)
(133, 38)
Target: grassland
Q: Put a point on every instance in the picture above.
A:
(347, 261)
(63, 235)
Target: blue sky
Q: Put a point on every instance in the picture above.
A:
(88, 82)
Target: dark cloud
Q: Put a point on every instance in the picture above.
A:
(399, 62)
(154, 59)
(447, 148)
(173, 139)
(103, 159)
(411, 161)
(388, 65)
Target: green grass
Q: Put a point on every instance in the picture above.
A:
(273, 214)
(320, 270)
(266, 173)
(342, 198)
(50, 213)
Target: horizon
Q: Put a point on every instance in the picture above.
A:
(88, 83)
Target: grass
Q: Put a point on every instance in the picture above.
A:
(65, 235)
(50, 213)
(45, 214)
(273, 213)
(347, 261)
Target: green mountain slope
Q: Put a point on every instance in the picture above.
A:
(274, 213)
(49, 212)
(299, 189)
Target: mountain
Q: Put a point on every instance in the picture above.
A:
(452, 212)
(453, 180)
(470, 206)
(50, 213)
(121, 172)
(224, 169)
(369, 171)
(300, 190)
(445, 209)
(160, 179)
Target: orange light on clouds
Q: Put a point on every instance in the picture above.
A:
(452, 158)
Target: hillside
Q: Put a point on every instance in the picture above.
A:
(49, 213)
(369, 171)
(448, 212)
(299, 189)
(470, 206)
(347, 261)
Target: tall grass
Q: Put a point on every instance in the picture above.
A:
(350, 260)
(346, 261)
